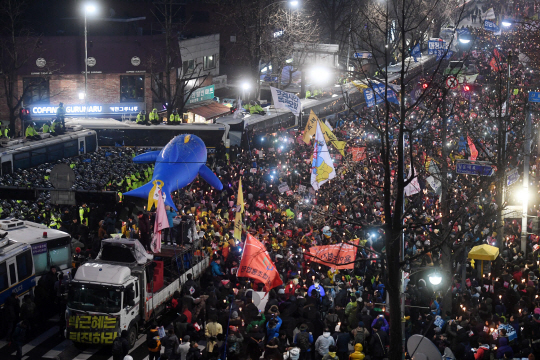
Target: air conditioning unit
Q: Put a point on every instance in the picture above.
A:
(11, 224)
(76, 127)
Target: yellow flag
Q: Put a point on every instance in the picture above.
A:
(311, 126)
(238, 217)
(332, 139)
(238, 226)
(240, 200)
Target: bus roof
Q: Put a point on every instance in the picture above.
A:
(12, 248)
(32, 233)
(29, 145)
(109, 123)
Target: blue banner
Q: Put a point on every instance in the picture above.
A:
(441, 54)
(378, 97)
(491, 26)
(434, 45)
(415, 52)
(463, 31)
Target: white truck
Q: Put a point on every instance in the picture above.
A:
(123, 289)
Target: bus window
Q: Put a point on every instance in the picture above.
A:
(90, 143)
(12, 274)
(59, 256)
(24, 264)
(22, 160)
(41, 263)
(6, 167)
(70, 149)
(3, 277)
(55, 152)
(39, 156)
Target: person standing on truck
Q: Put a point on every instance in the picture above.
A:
(144, 230)
(153, 342)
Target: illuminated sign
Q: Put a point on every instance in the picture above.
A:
(92, 329)
(94, 109)
(201, 94)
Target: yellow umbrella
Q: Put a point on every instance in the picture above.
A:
(484, 252)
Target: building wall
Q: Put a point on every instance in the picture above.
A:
(199, 47)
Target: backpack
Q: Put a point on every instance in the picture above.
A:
(360, 336)
(302, 339)
(152, 342)
(117, 347)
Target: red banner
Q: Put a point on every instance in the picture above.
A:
(260, 205)
(288, 233)
(339, 256)
(358, 153)
(472, 148)
(256, 264)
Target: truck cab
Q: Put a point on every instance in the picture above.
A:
(104, 297)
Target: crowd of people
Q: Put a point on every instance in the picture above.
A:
(321, 312)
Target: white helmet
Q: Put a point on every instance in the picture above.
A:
(128, 357)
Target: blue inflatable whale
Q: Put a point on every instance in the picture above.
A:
(177, 165)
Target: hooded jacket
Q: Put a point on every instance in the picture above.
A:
(504, 348)
(323, 343)
(357, 354)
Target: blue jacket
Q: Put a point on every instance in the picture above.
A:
(216, 269)
(273, 332)
(170, 215)
(321, 290)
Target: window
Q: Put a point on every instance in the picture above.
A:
(3, 277)
(24, 265)
(131, 88)
(37, 91)
(70, 149)
(60, 256)
(39, 156)
(6, 167)
(55, 152)
(90, 143)
(22, 160)
(12, 274)
(209, 62)
(188, 66)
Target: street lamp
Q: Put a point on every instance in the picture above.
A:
(435, 279)
(506, 23)
(293, 4)
(89, 9)
(245, 86)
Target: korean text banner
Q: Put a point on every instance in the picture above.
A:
(339, 256)
(378, 97)
(256, 264)
(283, 99)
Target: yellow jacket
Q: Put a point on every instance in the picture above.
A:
(357, 354)
(213, 329)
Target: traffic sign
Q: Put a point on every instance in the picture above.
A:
(534, 96)
(362, 55)
(452, 82)
(468, 168)
(512, 176)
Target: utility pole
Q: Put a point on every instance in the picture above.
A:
(525, 196)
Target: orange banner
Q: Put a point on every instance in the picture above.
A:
(358, 153)
(256, 264)
(339, 256)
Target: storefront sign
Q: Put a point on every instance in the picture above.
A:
(101, 109)
(204, 93)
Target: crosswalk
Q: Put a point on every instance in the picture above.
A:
(50, 345)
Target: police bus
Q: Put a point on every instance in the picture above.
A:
(50, 247)
(23, 154)
(112, 132)
(17, 274)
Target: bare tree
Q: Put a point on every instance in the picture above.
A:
(172, 84)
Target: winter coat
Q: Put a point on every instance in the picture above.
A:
(504, 348)
(274, 331)
(216, 269)
(357, 354)
(377, 343)
(342, 341)
(323, 343)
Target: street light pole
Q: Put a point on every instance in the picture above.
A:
(525, 196)
(85, 64)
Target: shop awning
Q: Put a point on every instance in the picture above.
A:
(484, 252)
(209, 110)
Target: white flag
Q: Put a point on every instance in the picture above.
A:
(413, 187)
(285, 100)
(327, 123)
(161, 223)
(489, 15)
(322, 168)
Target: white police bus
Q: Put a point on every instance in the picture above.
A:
(17, 273)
